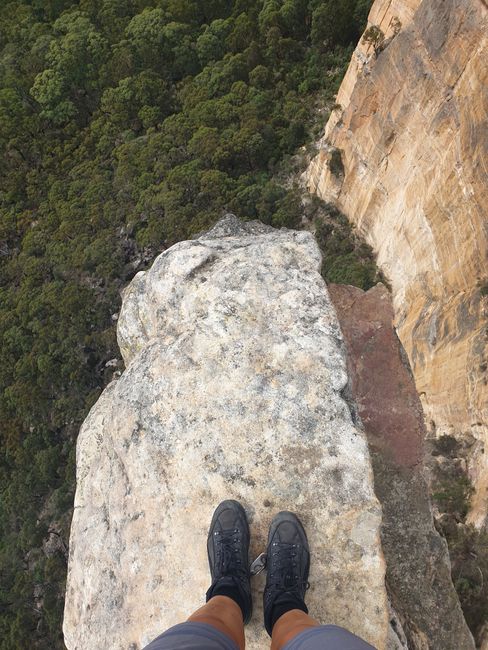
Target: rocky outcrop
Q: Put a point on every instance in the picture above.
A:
(411, 144)
(418, 573)
(233, 387)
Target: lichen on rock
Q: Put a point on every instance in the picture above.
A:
(235, 370)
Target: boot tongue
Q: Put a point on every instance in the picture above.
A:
(226, 581)
(289, 581)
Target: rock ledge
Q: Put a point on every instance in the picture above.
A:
(235, 368)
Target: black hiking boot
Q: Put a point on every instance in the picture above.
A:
(288, 564)
(228, 556)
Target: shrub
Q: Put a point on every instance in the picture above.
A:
(484, 289)
(336, 165)
(468, 547)
(375, 37)
(346, 258)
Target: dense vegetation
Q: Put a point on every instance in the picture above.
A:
(126, 125)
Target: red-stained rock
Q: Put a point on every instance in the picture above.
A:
(383, 390)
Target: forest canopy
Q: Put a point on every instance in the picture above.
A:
(125, 126)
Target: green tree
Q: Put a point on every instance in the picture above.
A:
(333, 23)
(210, 44)
(374, 37)
(146, 39)
(68, 83)
(137, 102)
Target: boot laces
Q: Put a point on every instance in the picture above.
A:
(228, 551)
(285, 575)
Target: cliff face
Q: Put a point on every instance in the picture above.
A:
(412, 135)
(233, 388)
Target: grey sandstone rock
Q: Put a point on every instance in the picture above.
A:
(235, 368)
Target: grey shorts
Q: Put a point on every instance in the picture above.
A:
(199, 636)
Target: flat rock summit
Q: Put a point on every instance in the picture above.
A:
(234, 387)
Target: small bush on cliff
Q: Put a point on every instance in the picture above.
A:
(452, 489)
(336, 165)
(468, 547)
(484, 289)
(375, 37)
(453, 493)
(346, 258)
(445, 446)
(396, 25)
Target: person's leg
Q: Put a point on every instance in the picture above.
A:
(193, 635)
(288, 564)
(224, 614)
(219, 624)
(297, 631)
(289, 625)
(285, 614)
(229, 603)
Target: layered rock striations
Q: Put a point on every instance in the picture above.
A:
(233, 388)
(406, 159)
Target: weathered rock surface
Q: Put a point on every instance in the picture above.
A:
(418, 572)
(413, 138)
(235, 369)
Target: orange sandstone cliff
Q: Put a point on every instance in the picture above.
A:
(404, 156)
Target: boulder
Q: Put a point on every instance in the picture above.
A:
(233, 388)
